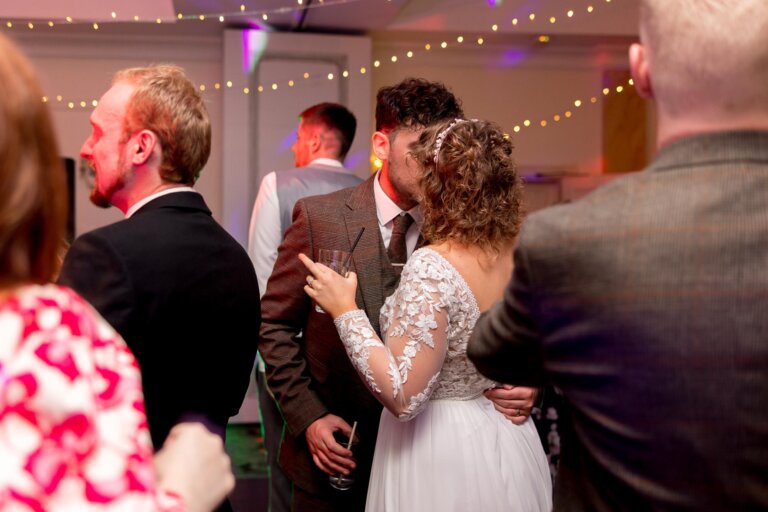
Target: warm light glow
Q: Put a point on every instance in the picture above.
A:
(543, 123)
(532, 16)
(363, 70)
(83, 104)
(202, 87)
(543, 39)
(274, 87)
(606, 91)
(114, 15)
(158, 21)
(291, 83)
(229, 83)
(71, 105)
(202, 17)
(577, 103)
(306, 75)
(480, 40)
(568, 113)
(631, 82)
(494, 27)
(135, 18)
(516, 128)
(394, 58)
(246, 90)
(95, 26)
(409, 54)
(260, 88)
(376, 63)
(556, 117)
(590, 9)
(94, 103)
(443, 45)
(427, 46)
(552, 19)
(58, 97)
(330, 76)
(179, 16)
(69, 19)
(377, 163)
(9, 24)
(619, 88)
(593, 99)
(345, 73)
(527, 122)
(30, 25)
(45, 99)
(242, 7)
(570, 14)
(460, 39)
(514, 21)
(264, 17)
(217, 86)
(221, 19)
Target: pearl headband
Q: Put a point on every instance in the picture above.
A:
(444, 132)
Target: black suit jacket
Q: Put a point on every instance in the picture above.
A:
(307, 367)
(184, 295)
(646, 304)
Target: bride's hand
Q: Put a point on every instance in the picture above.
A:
(333, 292)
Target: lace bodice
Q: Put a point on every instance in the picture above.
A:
(426, 324)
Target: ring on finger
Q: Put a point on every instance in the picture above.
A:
(310, 280)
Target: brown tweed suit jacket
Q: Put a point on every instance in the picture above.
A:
(307, 368)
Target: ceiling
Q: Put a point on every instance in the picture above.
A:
(607, 18)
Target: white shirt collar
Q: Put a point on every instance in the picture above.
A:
(133, 209)
(387, 210)
(330, 162)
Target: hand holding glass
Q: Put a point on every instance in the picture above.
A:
(337, 261)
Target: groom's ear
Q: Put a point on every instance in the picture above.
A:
(380, 144)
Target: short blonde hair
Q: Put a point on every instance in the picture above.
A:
(168, 104)
(33, 194)
(707, 54)
(471, 194)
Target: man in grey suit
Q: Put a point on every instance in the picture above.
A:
(645, 302)
(323, 139)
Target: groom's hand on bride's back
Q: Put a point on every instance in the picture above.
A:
(514, 402)
(329, 456)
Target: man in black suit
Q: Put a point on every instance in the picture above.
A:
(645, 302)
(170, 280)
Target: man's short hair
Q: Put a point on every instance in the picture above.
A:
(168, 104)
(335, 118)
(415, 103)
(707, 55)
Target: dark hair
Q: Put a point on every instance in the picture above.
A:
(335, 118)
(472, 193)
(33, 195)
(166, 102)
(415, 103)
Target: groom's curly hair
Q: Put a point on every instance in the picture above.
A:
(471, 191)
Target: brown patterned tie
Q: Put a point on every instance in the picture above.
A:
(397, 250)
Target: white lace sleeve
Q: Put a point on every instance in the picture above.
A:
(403, 373)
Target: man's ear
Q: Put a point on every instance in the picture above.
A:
(380, 144)
(641, 76)
(144, 143)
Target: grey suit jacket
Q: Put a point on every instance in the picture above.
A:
(646, 304)
(307, 367)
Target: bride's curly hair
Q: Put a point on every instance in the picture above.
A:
(469, 184)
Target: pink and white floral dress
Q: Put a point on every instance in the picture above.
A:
(73, 432)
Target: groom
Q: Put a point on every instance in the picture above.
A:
(317, 388)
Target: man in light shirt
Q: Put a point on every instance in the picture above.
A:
(323, 138)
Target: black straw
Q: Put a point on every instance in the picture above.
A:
(354, 244)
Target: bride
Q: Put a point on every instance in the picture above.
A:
(441, 445)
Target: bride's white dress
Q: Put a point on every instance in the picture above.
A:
(441, 444)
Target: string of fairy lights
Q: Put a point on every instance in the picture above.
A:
(59, 101)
